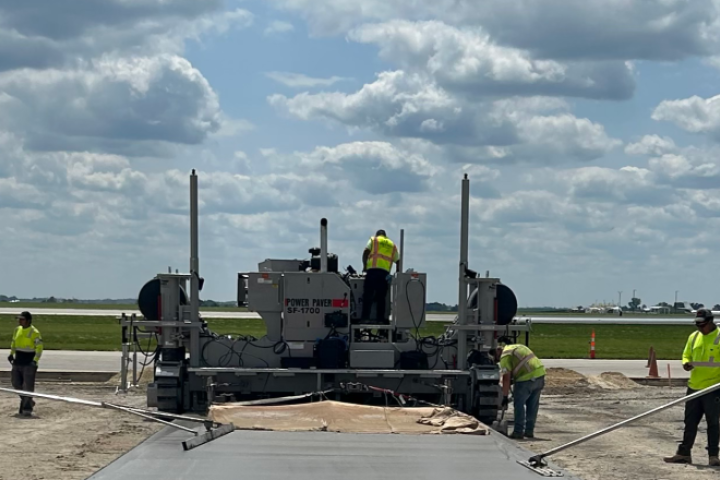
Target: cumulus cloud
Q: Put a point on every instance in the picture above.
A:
(694, 114)
(408, 105)
(651, 145)
(469, 61)
(694, 170)
(161, 98)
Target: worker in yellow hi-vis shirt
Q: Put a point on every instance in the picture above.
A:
(520, 365)
(378, 258)
(26, 349)
(701, 358)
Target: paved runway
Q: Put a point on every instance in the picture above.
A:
(323, 455)
(67, 361)
(431, 317)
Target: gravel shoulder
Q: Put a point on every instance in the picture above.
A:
(575, 406)
(65, 441)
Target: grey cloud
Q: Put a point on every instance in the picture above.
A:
(603, 29)
(468, 61)
(628, 185)
(374, 167)
(66, 220)
(550, 29)
(221, 193)
(48, 34)
(57, 20)
(16, 195)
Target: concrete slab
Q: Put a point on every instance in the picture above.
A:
(629, 368)
(75, 361)
(312, 455)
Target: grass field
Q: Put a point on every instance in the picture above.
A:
(111, 306)
(98, 306)
(548, 341)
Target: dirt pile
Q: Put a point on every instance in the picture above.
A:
(614, 381)
(64, 441)
(561, 381)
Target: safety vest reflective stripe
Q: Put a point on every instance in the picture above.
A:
(27, 341)
(711, 360)
(376, 259)
(523, 363)
(376, 255)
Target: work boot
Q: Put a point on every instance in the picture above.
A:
(677, 458)
(516, 436)
(714, 461)
(529, 435)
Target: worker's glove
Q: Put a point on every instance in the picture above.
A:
(687, 367)
(505, 402)
(10, 359)
(388, 279)
(34, 364)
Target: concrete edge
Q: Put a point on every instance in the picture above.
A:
(66, 376)
(660, 382)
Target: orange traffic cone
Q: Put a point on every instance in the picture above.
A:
(653, 366)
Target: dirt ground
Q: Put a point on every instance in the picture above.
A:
(71, 442)
(574, 406)
(66, 441)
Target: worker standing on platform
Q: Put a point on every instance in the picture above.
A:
(26, 349)
(701, 350)
(378, 258)
(520, 366)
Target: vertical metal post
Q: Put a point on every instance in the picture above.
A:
(194, 260)
(462, 282)
(133, 332)
(323, 245)
(124, 357)
(402, 250)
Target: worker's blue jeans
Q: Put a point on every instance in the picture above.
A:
(526, 400)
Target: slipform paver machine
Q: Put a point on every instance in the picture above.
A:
(315, 341)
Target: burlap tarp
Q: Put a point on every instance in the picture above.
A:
(332, 416)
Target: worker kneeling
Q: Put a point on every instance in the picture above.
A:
(520, 365)
(698, 358)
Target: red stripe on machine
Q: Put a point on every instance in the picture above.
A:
(341, 303)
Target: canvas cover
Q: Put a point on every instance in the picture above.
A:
(332, 416)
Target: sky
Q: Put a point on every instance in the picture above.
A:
(589, 131)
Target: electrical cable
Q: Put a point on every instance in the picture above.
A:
(155, 355)
(430, 340)
(248, 340)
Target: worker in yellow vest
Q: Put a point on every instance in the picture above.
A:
(378, 258)
(26, 348)
(519, 365)
(701, 358)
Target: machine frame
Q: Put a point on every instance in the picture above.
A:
(195, 367)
